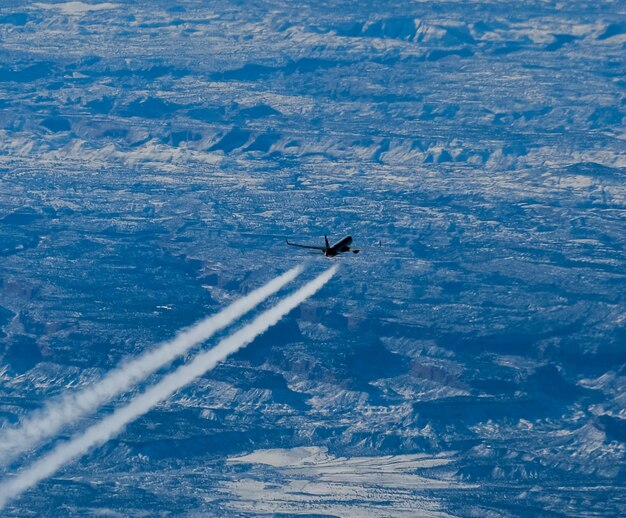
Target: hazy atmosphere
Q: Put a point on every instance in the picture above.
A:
(165, 352)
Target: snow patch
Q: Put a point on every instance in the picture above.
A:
(310, 480)
(78, 8)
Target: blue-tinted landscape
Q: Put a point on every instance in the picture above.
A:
(470, 361)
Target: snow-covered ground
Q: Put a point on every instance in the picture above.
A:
(154, 155)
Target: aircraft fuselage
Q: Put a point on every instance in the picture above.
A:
(343, 245)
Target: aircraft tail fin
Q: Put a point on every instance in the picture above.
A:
(326, 241)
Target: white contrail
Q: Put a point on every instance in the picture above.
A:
(113, 424)
(49, 420)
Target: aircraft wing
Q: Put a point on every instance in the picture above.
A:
(322, 248)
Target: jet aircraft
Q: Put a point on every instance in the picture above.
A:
(343, 245)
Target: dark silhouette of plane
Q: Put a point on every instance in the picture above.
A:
(343, 245)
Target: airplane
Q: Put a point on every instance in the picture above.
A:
(343, 245)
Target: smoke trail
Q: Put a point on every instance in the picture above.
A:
(103, 431)
(48, 421)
